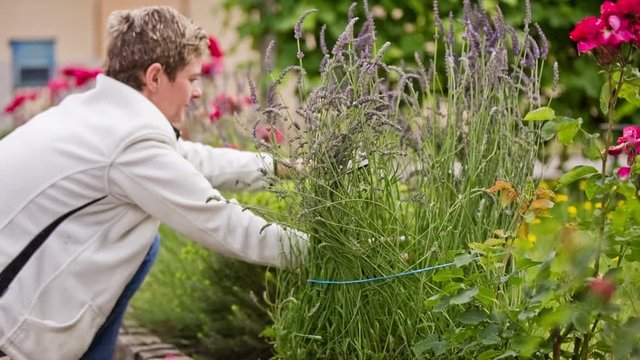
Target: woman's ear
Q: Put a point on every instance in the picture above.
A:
(152, 77)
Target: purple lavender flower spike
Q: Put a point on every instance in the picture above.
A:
(323, 40)
(515, 42)
(533, 46)
(451, 34)
(438, 20)
(544, 43)
(297, 30)
(344, 38)
(350, 13)
(268, 63)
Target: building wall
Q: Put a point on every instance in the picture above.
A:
(78, 28)
(60, 20)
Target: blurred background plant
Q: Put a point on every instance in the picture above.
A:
(26, 103)
(408, 26)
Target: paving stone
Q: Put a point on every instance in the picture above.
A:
(137, 343)
(161, 353)
(141, 339)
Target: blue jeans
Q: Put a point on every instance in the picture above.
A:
(103, 346)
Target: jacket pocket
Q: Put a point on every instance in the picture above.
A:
(46, 339)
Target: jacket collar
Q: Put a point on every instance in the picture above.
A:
(132, 101)
(176, 131)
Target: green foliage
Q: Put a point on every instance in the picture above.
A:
(578, 277)
(540, 114)
(408, 26)
(398, 178)
(209, 305)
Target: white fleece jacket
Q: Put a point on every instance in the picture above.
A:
(84, 187)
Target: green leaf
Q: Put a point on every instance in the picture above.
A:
(451, 287)
(575, 174)
(556, 317)
(605, 96)
(464, 296)
(634, 81)
(611, 274)
(472, 317)
(432, 343)
(448, 274)
(486, 296)
(489, 335)
(442, 304)
(619, 219)
(506, 354)
(514, 280)
(592, 187)
(430, 302)
(489, 354)
(526, 314)
(526, 344)
(591, 147)
(268, 332)
(548, 130)
(525, 263)
(630, 93)
(463, 259)
(540, 114)
(567, 128)
(627, 189)
(581, 320)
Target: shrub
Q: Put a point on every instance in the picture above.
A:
(398, 163)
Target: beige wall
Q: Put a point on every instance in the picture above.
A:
(69, 22)
(77, 26)
(211, 16)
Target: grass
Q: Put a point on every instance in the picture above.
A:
(433, 144)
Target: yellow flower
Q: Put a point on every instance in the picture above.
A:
(588, 206)
(582, 185)
(536, 221)
(533, 238)
(573, 211)
(562, 198)
(544, 185)
(598, 205)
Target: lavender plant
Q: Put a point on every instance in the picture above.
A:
(397, 162)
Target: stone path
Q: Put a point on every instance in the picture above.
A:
(136, 343)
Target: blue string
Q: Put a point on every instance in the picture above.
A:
(359, 281)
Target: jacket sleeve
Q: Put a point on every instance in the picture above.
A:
(228, 169)
(153, 176)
